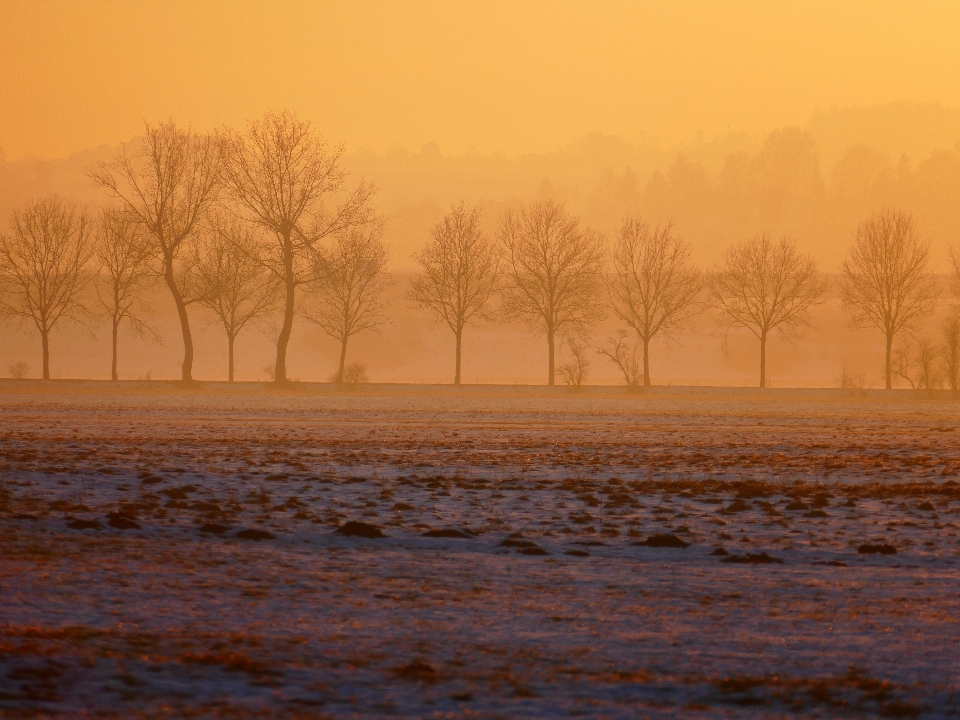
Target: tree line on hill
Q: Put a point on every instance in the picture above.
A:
(253, 223)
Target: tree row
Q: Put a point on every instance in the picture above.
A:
(263, 222)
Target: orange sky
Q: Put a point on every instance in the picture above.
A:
(474, 77)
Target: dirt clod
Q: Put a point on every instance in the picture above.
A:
(255, 534)
(416, 671)
(761, 558)
(664, 541)
(878, 549)
(122, 521)
(359, 529)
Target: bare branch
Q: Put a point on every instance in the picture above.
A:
(621, 353)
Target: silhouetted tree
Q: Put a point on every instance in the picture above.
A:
(654, 286)
(123, 251)
(955, 259)
(169, 184)
(43, 266)
(765, 286)
(228, 280)
(459, 273)
(918, 365)
(280, 172)
(950, 330)
(622, 353)
(554, 268)
(885, 278)
(347, 292)
(950, 350)
(574, 372)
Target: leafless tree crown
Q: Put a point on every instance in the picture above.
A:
(43, 266)
(654, 286)
(554, 267)
(347, 293)
(459, 273)
(886, 279)
(765, 286)
(169, 184)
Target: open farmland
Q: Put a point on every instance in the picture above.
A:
(712, 553)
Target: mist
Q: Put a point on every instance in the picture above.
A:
(814, 184)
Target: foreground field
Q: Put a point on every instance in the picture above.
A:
(174, 555)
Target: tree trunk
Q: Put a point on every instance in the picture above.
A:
(889, 372)
(456, 377)
(45, 344)
(230, 339)
(551, 355)
(343, 361)
(113, 359)
(763, 359)
(186, 373)
(646, 362)
(280, 369)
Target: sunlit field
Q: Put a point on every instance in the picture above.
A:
(482, 552)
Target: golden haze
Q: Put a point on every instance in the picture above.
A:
(473, 77)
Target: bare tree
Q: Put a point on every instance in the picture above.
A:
(574, 372)
(280, 172)
(955, 258)
(918, 365)
(554, 268)
(950, 350)
(43, 266)
(654, 286)
(229, 281)
(169, 184)
(348, 290)
(459, 273)
(765, 286)
(622, 353)
(123, 251)
(885, 278)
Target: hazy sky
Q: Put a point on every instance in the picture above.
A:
(473, 76)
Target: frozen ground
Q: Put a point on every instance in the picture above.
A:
(163, 611)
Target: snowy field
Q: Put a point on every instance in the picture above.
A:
(174, 555)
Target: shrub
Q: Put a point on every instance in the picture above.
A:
(355, 374)
(19, 370)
